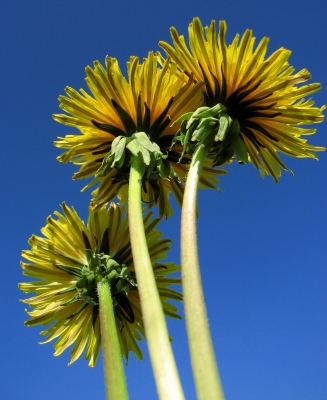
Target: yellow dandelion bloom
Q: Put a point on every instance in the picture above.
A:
(261, 94)
(149, 101)
(64, 263)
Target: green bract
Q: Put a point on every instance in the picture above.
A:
(137, 145)
(214, 127)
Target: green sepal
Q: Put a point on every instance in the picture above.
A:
(121, 287)
(89, 257)
(224, 150)
(203, 129)
(124, 272)
(196, 126)
(67, 290)
(181, 133)
(153, 164)
(240, 150)
(69, 258)
(124, 282)
(211, 112)
(142, 145)
(114, 158)
(102, 268)
(96, 249)
(153, 158)
(119, 153)
(162, 170)
(184, 137)
(81, 283)
(184, 117)
(225, 122)
(134, 147)
(105, 166)
(69, 270)
(137, 149)
(112, 276)
(137, 145)
(111, 264)
(211, 125)
(195, 116)
(73, 300)
(144, 141)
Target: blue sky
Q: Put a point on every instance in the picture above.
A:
(262, 245)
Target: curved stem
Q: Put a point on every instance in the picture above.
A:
(112, 359)
(162, 358)
(205, 370)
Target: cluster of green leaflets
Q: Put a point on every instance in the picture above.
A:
(136, 145)
(214, 128)
(101, 267)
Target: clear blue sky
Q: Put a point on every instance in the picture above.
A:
(262, 245)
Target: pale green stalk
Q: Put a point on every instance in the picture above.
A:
(115, 383)
(205, 370)
(161, 355)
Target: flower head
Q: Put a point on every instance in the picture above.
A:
(261, 94)
(65, 263)
(152, 98)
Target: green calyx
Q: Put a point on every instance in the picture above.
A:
(137, 145)
(103, 268)
(214, 128)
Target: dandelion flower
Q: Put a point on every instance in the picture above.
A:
(262, 94)
(66, 263)
(149, 101)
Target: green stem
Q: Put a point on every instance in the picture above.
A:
(112, 359)
(205, 370)
(161, 355)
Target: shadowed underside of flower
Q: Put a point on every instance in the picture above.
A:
(261, 94)
(149, 101)
(65, 263)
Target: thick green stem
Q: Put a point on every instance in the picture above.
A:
(162, 358)
(112, 359)
(205, 370)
